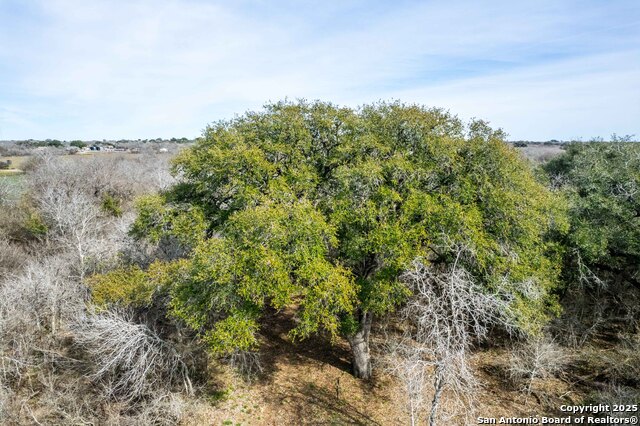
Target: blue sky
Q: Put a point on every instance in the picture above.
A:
(94, 69)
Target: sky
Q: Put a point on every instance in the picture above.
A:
(111, 69)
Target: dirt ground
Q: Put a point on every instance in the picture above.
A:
(310, 383)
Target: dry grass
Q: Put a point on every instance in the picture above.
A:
(10, 172)
(16, 161)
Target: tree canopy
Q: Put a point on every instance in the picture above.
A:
(602, 184)
(321, 208)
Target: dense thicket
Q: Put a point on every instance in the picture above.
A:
(60, 361)
(335, 216)
(601, 182)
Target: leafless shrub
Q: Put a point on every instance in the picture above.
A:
(166, 409)
(131, 361)
(151, 173)
(592, 303)
(537, 358)
(577, 334)
(447, 313)
(579, 322)
(35, 304)
(8, 193)
(72, 209)
(12, 257)
(53, 396)
(614, 395)
(42, 301)
(35, 160)
(622, 363)
(12, 148)
(539, 153)
(122, 176)
(586, 277)
(4, 403)
(76, 225)
(246, 363)
(86, 203)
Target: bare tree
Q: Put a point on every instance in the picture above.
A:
(74, 223)
(445, 315)
(36, 304)
(69, 197)
(12, 257)
(410, 363)
(8, 192)
(4, 401)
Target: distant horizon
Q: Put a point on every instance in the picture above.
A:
(632, 139)
(75, 70)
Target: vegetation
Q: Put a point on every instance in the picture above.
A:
(323, 208)
(602, 183)
(291, 238)
(78, 144)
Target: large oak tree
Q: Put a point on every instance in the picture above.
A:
(320, 209)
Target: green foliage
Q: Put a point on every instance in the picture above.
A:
(237, 330)
(132, 286)
(34, 225)
(602, 183)
(45, 143)
(78, 144)
(159, 218)
(321, 208)
(111, 205)
(127, 287)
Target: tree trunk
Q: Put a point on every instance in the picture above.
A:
(438, 386)
(359, 342)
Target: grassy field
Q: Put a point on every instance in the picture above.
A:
(535, 152)
(16, 161)
(15, 168)
(11, 185)
(10, 172)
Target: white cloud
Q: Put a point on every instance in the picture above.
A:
(148, 68)
(590, 96)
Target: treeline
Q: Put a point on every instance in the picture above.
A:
(54, 146)
(56, 143)
(613, 139)
(391, 223)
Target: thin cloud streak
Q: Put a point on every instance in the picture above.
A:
(71, 69)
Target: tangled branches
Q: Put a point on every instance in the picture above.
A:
(131, 361)
(447, 313)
